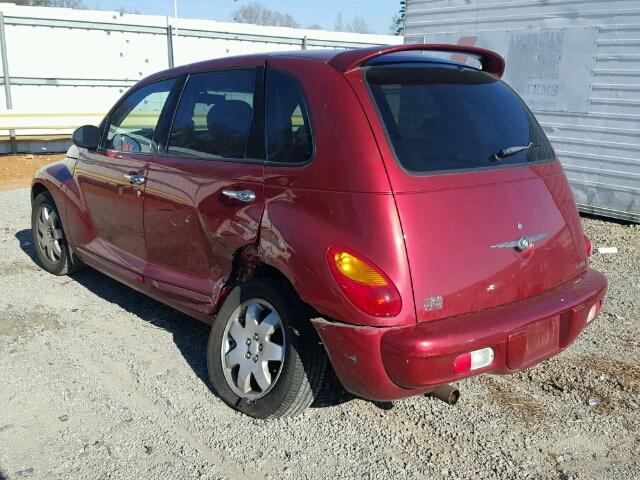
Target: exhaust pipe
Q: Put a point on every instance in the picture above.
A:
(447, 393)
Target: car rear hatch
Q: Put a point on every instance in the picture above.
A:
(486, 210)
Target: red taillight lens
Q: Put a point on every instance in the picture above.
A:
(587, 245)
(363, 283)
(462, 363)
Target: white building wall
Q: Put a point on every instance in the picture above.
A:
(67, 66)
(593, 120)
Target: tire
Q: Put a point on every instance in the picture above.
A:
(295, 381)
(52, 250)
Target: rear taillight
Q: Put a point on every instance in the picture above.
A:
(587, 245)
(363, 283)
(474, 360)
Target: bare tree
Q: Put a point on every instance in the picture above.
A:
(358, 25)
(122, 10)
(315, 26)
(338, 24)
(48, 3)
(258, 14)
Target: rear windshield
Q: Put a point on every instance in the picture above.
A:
(448, 118)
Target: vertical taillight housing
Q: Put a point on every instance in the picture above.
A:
(363, 283)
(587, 244)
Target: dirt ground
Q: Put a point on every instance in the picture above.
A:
(16, 171)
(100, 382)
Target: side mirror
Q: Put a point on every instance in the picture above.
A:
(87, 136)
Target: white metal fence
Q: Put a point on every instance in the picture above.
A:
(577, 64)
(64, 67)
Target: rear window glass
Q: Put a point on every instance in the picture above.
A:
(289, 138)
(452, 118)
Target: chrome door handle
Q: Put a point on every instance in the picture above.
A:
(245, 196)
(135, 179)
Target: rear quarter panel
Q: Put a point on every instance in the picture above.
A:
(342, 197)
(298, 228)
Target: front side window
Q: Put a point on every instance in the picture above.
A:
(289, 138)
(133, 124)
(213, 119)
(450, 118)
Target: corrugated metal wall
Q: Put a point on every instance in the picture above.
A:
(599, 145)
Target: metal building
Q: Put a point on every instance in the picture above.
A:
(577, 65)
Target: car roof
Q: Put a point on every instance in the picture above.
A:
(339, 58)
(321, 55)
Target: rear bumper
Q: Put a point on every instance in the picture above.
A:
(396, 362)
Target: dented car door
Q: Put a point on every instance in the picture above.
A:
(204, 194)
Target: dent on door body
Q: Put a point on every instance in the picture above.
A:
(193, 230)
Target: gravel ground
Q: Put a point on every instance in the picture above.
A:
(98, 381)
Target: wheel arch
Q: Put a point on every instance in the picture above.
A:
(249, 264)
(263, 270)
(45, 185)
(36, 189)
(58, 180)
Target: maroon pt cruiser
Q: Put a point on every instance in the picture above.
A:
(401, 217)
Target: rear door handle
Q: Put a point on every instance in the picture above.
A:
(135, 179)
(246, 196)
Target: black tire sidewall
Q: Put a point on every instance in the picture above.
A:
(289, 310)
(60, 267)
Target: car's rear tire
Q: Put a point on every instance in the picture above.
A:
(264, 356)
(52, 250)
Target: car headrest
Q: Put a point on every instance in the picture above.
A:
(230, 118)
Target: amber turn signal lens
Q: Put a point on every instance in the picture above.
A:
(357, 270)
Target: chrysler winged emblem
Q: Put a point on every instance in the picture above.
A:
(522, 243)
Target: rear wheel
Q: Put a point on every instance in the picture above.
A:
(264, 357)
(52, 249)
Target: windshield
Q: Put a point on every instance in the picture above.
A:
(444, 118)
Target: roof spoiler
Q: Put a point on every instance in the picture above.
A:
(349, 60)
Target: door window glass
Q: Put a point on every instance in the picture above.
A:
(289, 137)
(214, 115)
(134, 122)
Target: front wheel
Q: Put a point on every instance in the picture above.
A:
(52, 249)
(264, 357)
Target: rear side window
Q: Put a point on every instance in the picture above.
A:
(133, 124)
(289, 138)
(451, 118)
(214, 115)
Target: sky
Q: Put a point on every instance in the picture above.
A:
(377, 13)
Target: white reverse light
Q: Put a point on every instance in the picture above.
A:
(481, 358)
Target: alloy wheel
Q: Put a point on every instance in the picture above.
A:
(253, 349)
(49, 233)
